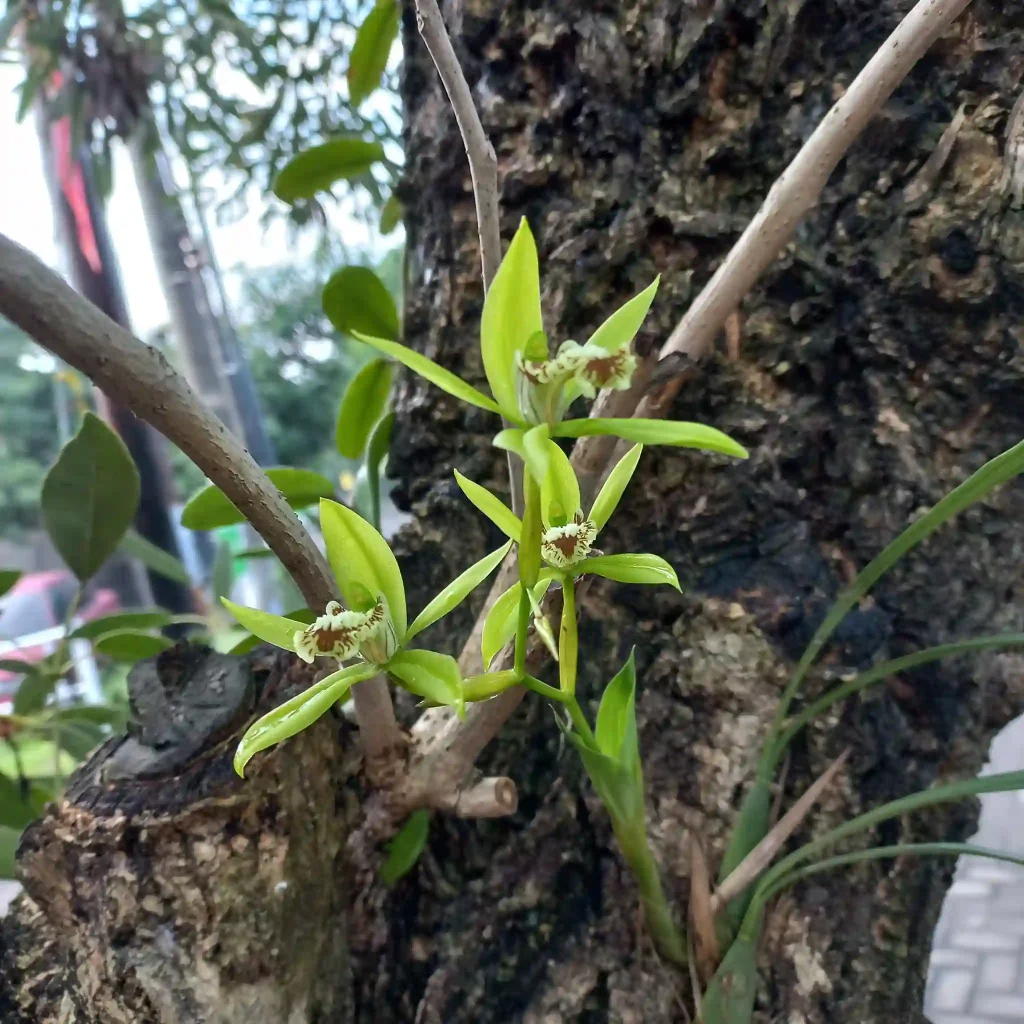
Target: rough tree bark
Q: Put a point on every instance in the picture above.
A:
(878, 364)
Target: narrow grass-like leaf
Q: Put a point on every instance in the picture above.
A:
(621, 327)
(429, 370)
(299, 713)
(614, 487)
(511, 317)
(491, 506)
(457, 591)
(405, 849)
(644, 431)
(630, 568)
(364, 403)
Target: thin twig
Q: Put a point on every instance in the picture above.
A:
(138, 377)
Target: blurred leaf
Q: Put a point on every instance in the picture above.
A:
(429, 674)
(210, 508)
(362, 560)
(457, 591)
(8, 22)
(405, 849)
(614, 487)
(122, 620)
(621, 327)
(299, 713)
(670, 432)
(376, 454)
(79, 739)
(8, 577)
(21, 668)
(90, 496)
(18, 808)
(371, 49)
(222, 575)
(9, 839)
(272, 629)
(511, 316)
(319, 168)
(364, 403)
(131, 645)
(356, 301)
(154, 558)
(630, 568)
(429, 370)
(491, 506)
(391, 215)
(34, 691)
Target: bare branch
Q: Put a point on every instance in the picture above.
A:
(138, 377)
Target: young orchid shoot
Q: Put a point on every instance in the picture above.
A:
(372, 629)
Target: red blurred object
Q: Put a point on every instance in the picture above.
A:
(38, 602)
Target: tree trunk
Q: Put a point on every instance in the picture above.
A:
(878, 363)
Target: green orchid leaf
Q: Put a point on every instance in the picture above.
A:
(630, 568)
(541, 624)
(373, 465)
(429, 370)
(301, 618)
(568, 639)
(615, 732)
(560, 490)
(299, 713)
(364, 403)
(491, 506)
(537, 451)
(371, 49)
(125, 620)
(457, 591)
(511, 440)
(130, 645)
(620, 790)
(90, 495)
(409, 842)
(644, 431)
(729, 998)
(357, 301)
(501, 621)
(272, 629)
(511, 317)
(210, 508)
(614, 487)
(621, 327)
(8, 577)
(436, 677)
(317, 169)
(362, 561)
(134, 545)
(489, 684)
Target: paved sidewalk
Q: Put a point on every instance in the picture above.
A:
(977, 966)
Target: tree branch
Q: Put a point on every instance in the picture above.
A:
(448, 747)
(138, 377)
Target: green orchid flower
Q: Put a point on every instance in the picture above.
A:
(530, 385)
(372, 629)
(566, 542)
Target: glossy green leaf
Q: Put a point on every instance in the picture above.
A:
(299, 713)
(457, 591)
(429, 370)
(979, 485)
(362, 561)
(153, 558)
(301, 618)
(560, 490)
(615, 731)
(630, 568)
(489, 684)
(500, 624)
(491, 506)
(209, 508)
(644, 431)
(357, 301)
(90, 495)
(130, 645)
(621, 327)
(511, 316)
(391, 214)
(405, 849)
(620, 790)
(729, 998)
(370, 51)
(272, 629)
(317, 169)
(364, 403)
(428, 674)
(376, 453)
(511, 440)
(614, 487)
(537, 452)
(156, 619)
(8, 577)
